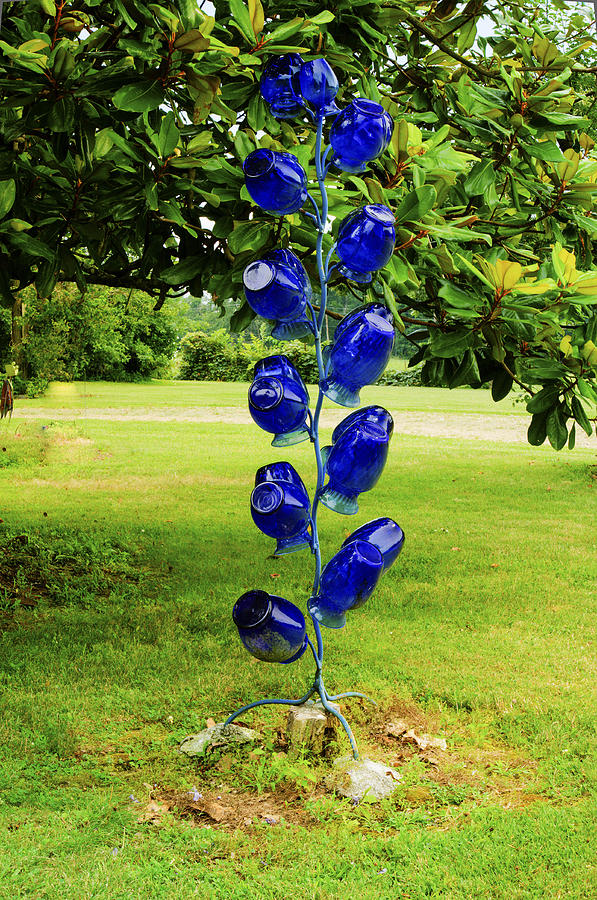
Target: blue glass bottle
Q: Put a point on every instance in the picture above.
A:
(347, 581)
(319, 86)
(383, 533)
(279, 85)
(360, 134)
(277, 289)
(357, 356)
(270, 627)
(377, 309)
(281, 471)
(279, 401)
(276, 181)
(281, 511)
(376, 414)
(366, 240)
(354, 465)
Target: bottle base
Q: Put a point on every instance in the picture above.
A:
(340, 503)
(291, 545)
(340, 393)
(291, 437)
(326, 618)
(291, 331)
(360, 277)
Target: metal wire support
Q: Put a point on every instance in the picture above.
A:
(320, 219)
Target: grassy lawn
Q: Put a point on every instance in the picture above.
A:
(80, 396)
(125, 546)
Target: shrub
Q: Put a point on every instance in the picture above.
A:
(219, 357)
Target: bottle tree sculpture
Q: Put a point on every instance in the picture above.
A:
(277, 287)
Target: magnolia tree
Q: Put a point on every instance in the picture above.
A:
(123, 126)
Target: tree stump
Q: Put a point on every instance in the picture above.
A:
(310, 728)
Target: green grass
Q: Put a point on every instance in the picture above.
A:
(137, 541)
(80, 396)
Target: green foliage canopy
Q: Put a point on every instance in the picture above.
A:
(123, 127)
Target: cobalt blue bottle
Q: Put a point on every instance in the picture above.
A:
(377, 308)
(319, 86)
(347, 581)
(357, 356)
(281, 471)
(270, 627)
(279, 85)
(276, 181)
(376, 414)
(279, 401)
(281, 511)
(366, 240)
(360, 134)
(354, 465)
(383, 533)
(276, 289)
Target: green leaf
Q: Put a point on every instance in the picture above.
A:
(284, 31)
(581, 417)
(572, 437)
(256, 112)
(546, 151)
(501, 385)
(169, 135)
(467, 372)
(567, 123)
(199, 143)
(450, 343)
(242, 318)
(8, 193)
(322, 18)
(557, 432)
(480, 178)
(62, 115)
(184, 271)
(140, 97)
(243, 144)
(32, 246)
(192, 41)
(241, 16)
(459, 298)
(249, 236)
(544, 399)
(416, 204)
(537, 431)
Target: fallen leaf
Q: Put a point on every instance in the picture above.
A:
(210, 723)
(214, 810)
(424, 741)
(455, 548)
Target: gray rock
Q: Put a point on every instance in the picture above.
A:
(356, 778)
(219, 735)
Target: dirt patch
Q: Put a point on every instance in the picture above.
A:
(441, 773)
(58, 569)
(233, 809)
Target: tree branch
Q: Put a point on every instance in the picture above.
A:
(434, 39)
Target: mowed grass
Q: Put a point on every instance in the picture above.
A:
(81, 396)
(484, 633)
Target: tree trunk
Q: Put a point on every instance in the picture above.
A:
(18, 334)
